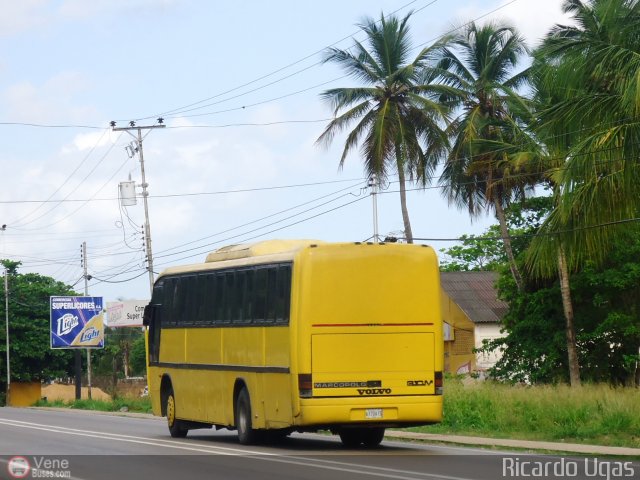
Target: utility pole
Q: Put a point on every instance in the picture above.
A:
(86, 293)
(373, 183)
(6, 313)
(145, 194)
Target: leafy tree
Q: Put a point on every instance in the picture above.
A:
(123, 355)
(397, 120)
(30, 355)
(475, 253)
(607, 312)
(479, 172)
(138, 357)
(484, 252)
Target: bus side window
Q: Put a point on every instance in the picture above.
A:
(260, 296)
(208, 293)
(284, 294)
(168, 318)
(190, 305)
(237, 310)
(178, 301)
(272, 294)
(229, 296)
(153, 320)
(248, 297)
(219, 305)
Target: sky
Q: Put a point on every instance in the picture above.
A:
(238, 85)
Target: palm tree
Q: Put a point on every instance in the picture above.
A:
(588, 73)
(397, 118)
(549, 158)
(595, 66)
(479, 172)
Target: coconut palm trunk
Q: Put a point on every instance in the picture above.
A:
(567, 306)
(403, 205)
(506, 240)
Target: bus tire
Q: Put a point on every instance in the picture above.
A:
(246, 434)
(371, 437)
(176, 429)
(351, 437)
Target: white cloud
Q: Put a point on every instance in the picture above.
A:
(25, 15)
(532, 18)
(87, 141)
(21, 15)
(49, 101)
(81, 9)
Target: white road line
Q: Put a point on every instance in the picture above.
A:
(266, 456)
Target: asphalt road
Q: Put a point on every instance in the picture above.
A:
(86, 446)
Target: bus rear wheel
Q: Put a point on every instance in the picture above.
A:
(176, 429)
(351, 437)
(246, 434)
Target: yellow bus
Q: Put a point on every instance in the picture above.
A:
(283, 336)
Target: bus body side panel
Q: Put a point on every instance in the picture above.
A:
(276, 387)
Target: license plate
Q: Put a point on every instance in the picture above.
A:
(373, 413)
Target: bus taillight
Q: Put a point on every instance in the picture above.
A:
(305, 385)
(438, 383)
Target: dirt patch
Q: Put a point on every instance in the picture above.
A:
(67, 393)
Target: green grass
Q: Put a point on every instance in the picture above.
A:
(140, 405)
(592, 414)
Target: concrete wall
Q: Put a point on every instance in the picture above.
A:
(487, 331)
(24, 394)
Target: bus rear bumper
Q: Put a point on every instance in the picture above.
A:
(380, 411)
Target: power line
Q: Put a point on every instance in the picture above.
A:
(187, 108)
(530, 235)
(175, 110)
(170, 195)
(266, 233)
(267, 217)
(179, 112)
(42, 125)
(20, 225)
(86, 157)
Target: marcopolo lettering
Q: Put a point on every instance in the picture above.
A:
(339, 384)
(348, 384)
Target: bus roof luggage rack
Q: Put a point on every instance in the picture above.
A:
(268, 247)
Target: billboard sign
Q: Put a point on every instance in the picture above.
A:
(77, 322)
(126, 313)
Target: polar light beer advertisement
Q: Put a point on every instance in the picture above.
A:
(77, 322)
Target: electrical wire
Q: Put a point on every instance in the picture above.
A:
(82, 162)
(264, 233)
(270, 216)
(175, 110)
(529, 235)
(218, 192)
(20, 226)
